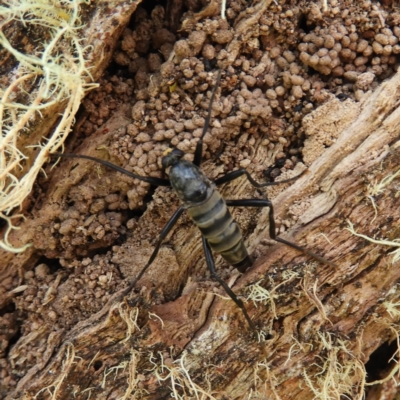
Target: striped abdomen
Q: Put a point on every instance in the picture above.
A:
(221, 231)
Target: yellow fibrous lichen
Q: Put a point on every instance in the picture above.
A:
(57, 77)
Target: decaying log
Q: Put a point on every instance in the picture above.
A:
(318, 319)
(176, 334)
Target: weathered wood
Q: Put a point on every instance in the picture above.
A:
(319, 322)
(313, 302)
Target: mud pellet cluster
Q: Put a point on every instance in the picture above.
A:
(344, 52)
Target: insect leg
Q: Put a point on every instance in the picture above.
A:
(149, 179)
(272, 229)
(199, 147)
(167, 228)
(228, 290)
(240, 172)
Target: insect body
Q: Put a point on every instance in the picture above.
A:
(208, 210)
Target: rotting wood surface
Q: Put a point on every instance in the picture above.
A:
(319, 312)
(219, 349)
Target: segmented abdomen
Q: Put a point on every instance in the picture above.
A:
(221, 231)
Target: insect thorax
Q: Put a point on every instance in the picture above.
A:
(189, 183)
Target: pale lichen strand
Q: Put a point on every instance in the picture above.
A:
(59, 75)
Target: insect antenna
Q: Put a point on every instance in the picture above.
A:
(153, 181)
(199, 147)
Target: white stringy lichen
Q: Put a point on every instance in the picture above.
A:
(52, 79)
